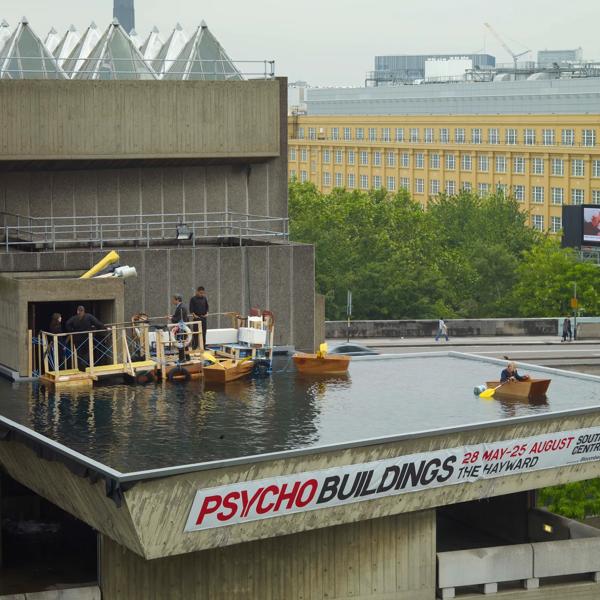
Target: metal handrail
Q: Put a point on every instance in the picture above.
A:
(264, 69)
(146, 229)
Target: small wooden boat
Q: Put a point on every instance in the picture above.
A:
(530, 388)
(226, 370)
(320, 363)
(182, 371)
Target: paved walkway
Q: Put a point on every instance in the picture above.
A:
(463, 341)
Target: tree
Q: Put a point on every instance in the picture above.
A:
(574, 500)
(545, 279)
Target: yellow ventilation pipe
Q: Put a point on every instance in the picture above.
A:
(110, 258)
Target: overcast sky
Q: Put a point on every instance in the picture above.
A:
(333, 42)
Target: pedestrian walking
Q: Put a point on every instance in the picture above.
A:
(442, 330)
(567, 332)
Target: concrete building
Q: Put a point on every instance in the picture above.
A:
(559, 57)
(123, 164)
(536, 140)
(406, 68)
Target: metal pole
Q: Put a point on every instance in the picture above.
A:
(348, 314)
(575, 311)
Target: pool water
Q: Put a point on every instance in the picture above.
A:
(132, 428)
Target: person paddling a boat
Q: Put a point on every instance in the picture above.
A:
(511, 374)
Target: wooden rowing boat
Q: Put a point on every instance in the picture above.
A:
(327, 364)
(227, 370)
(530, 388)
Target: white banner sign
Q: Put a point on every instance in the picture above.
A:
(279, 496)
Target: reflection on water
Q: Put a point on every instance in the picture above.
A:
(133, 428)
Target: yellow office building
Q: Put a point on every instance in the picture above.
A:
(543, 160)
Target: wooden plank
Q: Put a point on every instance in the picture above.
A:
(91, 352)
(56, 355)
(29, 353)
(115, 352)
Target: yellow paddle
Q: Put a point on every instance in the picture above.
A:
(322, 350)
(491, 391)
(209, 357)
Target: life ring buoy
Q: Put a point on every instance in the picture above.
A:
(182, 330)
(178, 374)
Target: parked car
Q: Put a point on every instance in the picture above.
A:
(352, 350)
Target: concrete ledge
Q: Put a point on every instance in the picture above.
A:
(90, 592)
(485, 565)
(566, 557)
(428, 328)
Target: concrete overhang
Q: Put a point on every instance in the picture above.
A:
(147, 511)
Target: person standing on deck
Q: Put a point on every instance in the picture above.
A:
(567, 331)
(198, 312)
(442, 330)
(83, 322)
(180, 314)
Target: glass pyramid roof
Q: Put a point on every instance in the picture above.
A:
(4, 33)
(24, 56)
(52, 40)
(66, 45)
(170, 51)
(153, 44)
(115, 57)
(135, 38)
(203, 58)
(83, 49)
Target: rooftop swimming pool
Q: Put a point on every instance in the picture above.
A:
(137, 428)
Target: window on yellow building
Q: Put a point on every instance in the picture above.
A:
(476, 136)
(300, 133)
(466, 162)
(364, 182)
(493, 136)
(466, 186)
(391, 159)
(391, 184)
(459, 135)
(577, 167)
(414, 134)
(351, 180)
(419, 186)
(405, 160)
(351, 157)
(364, 157)
(577, 196)
(548, 137)
(303, 155)
(434, 161)
(567, 137)
(377, 182)
(511, 136)
(326, 155)
(483, 189)
(385, 134)
(339, 180)
(537, 194)
(558, 167)
(596, 196)
(326, 178)
(377, 159)
(444, 135)
(450, 187)
(500, 164)
(339, 157)
(555, 224)
(538, 222)
(419, 160)
(372, 134)
(537, 165)
(312, 133)
(558, 195)
(450, 162)
(502, 188)
(596, 168)
(429, 135)
(529, 137)
(360, 133)
(303, 176)
(519, 193)
(434, 187)
(399, 134)
(347, 134)
(483, 163)
(292, 153)
(588, 137)
(405, 183)
(335, 133)
(518, 164)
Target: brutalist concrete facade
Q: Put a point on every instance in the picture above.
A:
(152, 148)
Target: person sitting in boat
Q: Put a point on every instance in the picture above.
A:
(511, 374)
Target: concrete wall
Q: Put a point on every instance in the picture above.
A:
(246, 188)
(275, 277)
(388, 558)
(15, 295)
(75, 120)
(428, 328)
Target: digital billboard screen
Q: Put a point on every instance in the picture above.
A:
(591, 225)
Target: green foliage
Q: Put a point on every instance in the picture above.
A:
(545, 281)
(574, 500)
(457, 259)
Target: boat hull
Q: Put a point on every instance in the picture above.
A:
(531, 388)
(227, 370)
(325, 365)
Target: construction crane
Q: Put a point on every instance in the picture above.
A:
(515, 57)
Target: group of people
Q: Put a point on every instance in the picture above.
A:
(198, 312)
(81, 321)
